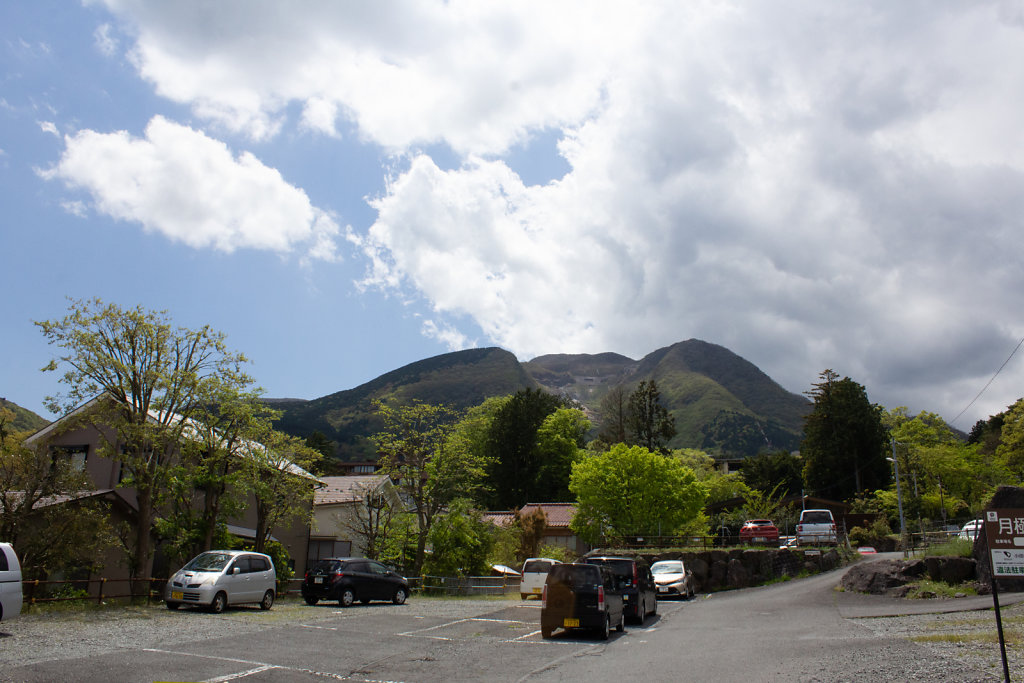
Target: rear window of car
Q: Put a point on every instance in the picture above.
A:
(574, 574)
(538, 566)
(326, 566)
(621, 568)
(816, 517)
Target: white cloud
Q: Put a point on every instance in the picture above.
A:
(105, 41)
(811, 185)
(49, 127)
(190, 188)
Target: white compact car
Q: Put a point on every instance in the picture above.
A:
(218, 578)
(10, 583)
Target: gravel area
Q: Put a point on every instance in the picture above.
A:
(966, 638)
(51, 634)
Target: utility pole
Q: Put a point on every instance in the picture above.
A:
(899, 498)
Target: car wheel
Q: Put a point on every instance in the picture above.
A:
(220, 601)
(311, 599)
(347, 598)
(621, 626)
(399, 597)
(606, 629)
(173, 605)
(524, 596)
(268, 600)
(641, 614)
(654, 609)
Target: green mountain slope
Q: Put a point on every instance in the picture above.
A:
(721, 403)
(461, 380)
(24, 419)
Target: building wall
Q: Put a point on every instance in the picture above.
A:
(106, 473)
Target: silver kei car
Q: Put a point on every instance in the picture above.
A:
(218, 578)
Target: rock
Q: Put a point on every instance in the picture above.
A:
(952, 570)
(875, 577)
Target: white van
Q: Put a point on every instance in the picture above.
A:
(10, 583)
(535, 573)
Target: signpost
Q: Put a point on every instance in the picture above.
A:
(1004, 531)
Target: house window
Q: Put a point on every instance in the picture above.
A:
(77, 455)
(321, 549)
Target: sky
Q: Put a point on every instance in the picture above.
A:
(344, 188)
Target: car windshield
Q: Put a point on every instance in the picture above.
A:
(209, 562)
(667, 568)
(759, 522)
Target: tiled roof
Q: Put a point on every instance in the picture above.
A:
(347, 489)
(558, 514)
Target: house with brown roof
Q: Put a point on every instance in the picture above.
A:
(557, 532)
(342, 510)
(83, 443)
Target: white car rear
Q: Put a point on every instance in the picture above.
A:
(10, 583)
(535, 573)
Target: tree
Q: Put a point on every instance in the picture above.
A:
(47, 537)
(514, 461)
(209, 484)
(461, 541)
(154, 378)
(614, 410)
(845, 443)
(415, 451)
(277, 472)
(648, 422)
(780, 469)
(560, 440)
(371, 521)
(630, 491)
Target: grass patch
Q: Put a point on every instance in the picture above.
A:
(938, 589)
(954, 547)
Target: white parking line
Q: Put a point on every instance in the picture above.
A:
(263, 666)
(240, 674)
(322, 628)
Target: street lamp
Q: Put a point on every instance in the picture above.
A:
(899, 498)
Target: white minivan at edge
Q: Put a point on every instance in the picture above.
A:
(10, 583)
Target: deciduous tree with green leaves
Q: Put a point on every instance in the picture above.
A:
(154, 379)
(628, 490)
(46, 537)
(431, 470)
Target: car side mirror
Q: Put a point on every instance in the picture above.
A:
(236, 570)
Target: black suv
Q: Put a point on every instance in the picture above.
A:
(347, 579)
(635, 581)
(580, 596)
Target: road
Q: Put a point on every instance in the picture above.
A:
(793, 631)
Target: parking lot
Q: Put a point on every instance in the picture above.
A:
(425, 640)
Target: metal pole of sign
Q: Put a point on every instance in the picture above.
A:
(999, 619)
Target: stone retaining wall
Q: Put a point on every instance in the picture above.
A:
(741, 568)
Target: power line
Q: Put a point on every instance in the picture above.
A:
(1019, 344)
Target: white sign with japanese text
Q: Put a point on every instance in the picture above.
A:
(1004, 530)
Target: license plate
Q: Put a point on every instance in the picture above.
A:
(537, 590)
(177, 595)
(318, 579)
(760, 539)
(662, 589)
(570, 623)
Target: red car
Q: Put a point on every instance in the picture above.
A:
(759, 531)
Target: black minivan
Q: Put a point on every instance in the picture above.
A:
(635, 581)
(581, 596)
(347, 579)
